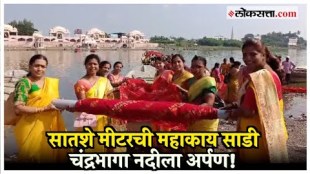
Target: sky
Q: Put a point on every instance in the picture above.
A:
(191, 21)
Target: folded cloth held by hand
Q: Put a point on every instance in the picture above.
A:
(64, 104)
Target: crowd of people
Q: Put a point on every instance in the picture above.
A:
(242, 87)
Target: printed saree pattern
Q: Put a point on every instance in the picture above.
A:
(269, 121)
(139, 110)
(161, 90)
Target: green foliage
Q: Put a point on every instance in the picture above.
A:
(216, 42)
(24, 27)
(274, 39)
(210, 42)
(232, 43)
(278, 39)
(161, 39)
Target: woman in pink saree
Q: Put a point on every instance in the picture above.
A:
(115, 76)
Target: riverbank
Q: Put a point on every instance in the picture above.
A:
(73, 49)
(161, 47)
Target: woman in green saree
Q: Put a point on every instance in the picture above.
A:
(201, 91)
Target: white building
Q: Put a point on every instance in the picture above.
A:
(292, 41)
(9, 31)
(60, 37)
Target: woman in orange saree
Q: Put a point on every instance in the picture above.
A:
(160, 66)
(93, 86)
(115, 76)
(261, 106)
(33, 97)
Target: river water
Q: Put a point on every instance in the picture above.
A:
(68, 67)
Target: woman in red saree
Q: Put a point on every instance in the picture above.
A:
(219, 78)
(159, 65)
(261, 106)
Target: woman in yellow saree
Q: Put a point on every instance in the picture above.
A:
(202, 90)
(93, 86)
(33, 96)
(261, 106)
(180, 74)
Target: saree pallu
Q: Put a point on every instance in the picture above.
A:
(30, 130)
(269, 122)
(185, 75)
(98, 90)
(197, 90)
(138, 110)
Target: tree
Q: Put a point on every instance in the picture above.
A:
(210, 42)
(232, 43)
(161, 39)
(24, 27)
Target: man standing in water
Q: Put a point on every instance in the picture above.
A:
(288, 67)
